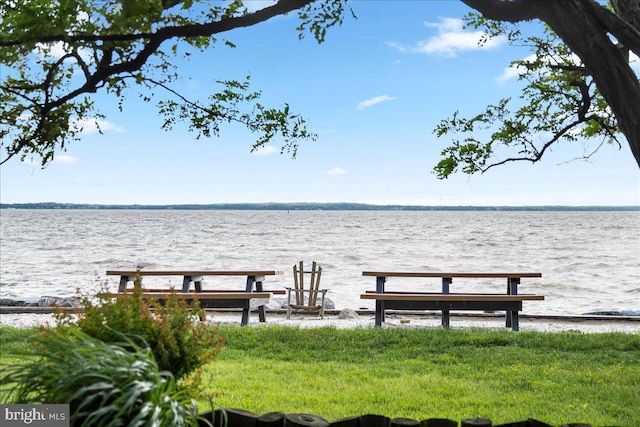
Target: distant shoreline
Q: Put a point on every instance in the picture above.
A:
(309, 207)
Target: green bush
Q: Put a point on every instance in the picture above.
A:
(104, 384)
(178, 340)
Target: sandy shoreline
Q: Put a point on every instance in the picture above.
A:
(365, 319)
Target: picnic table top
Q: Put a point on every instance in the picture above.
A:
(447, 274)
(144, 272)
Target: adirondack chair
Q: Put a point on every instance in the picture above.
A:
(306, 299)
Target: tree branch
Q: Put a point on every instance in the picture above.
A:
(500, 10)
(165, 33)
(624, 31)
(191, 103)
(104, 70)
(538, 153)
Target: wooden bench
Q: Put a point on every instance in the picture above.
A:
(445, 301)
(215, 299)
(254, 296)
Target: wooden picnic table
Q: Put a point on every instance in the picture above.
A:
(253, 296)
(511, 301)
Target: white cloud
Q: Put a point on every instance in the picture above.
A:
(451, 39)
(373, 101)
(514, 71)
(89, 126)
(336, 171)
(399, 47)
(65, 160)
(60, 159)
(264, 151)
(56, 49)
(59, 49)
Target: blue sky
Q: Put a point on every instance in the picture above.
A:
(373, 92)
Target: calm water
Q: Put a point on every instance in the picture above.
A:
(590, 261)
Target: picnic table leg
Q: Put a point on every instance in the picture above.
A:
(186, 283)
(512, 289)
(197, 283)
(123, 283)
(380, 304)
(446, 282)
(515, 324)
(251, 281)
(245, 311)
(245, 317)
(379, 312)
(258, 282)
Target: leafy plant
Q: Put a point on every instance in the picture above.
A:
(105, 384)
(179, 342)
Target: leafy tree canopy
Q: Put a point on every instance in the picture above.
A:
(55, 54)
(578, 84)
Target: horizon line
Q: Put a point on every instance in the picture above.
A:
(303, 206)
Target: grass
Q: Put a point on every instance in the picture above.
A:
(424, 373)
(557, 378)
(15, 343)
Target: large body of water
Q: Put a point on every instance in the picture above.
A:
(590, 261)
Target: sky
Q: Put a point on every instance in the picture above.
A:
(373, 93)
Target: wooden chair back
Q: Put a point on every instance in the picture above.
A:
(311, 291)
(314, 282)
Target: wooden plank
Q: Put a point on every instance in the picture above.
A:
(133, 273)
(300, 283)
(202, 295)
(305, 307)
(313, 284)
(446, 306)
(297, 281)
(433, 293)
(271, 291)
(318, 287)
(389, 296)
(446, 274)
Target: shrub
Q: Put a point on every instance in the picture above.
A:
(178, 340)
(105, 384)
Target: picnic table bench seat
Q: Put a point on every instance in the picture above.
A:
(247, 301)
(235, 291)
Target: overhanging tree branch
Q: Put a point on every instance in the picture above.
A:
(586, 28)
(38, 108)
(186, 31)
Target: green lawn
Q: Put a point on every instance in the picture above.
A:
(425, 373)
(557, 378)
